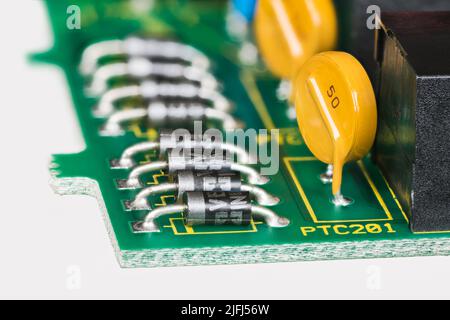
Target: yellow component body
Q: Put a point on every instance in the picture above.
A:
(336, 110)
(289, 32)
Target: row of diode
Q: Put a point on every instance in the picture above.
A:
(171, 86)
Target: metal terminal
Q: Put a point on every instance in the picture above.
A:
(261, 196)
(122, 184)
(284, 90)
(140, 202)
(110, 97)
(113, 126)
(340, 201)
(92, 54)
(271, 218)
(160, 114)
(152, 90)
(252, 175)
(291, 112)
(327, 177)
(149, 224)
(142, 68)
(126, 160)
(139, 47)
(134, 182)
(115, 164)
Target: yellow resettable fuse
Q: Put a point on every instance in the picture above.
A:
(336, 112)
(289, 32)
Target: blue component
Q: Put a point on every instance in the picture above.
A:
(246, 8)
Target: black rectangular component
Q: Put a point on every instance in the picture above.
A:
(413, 140)
(356, 35)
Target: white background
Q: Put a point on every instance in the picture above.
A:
(57, 247)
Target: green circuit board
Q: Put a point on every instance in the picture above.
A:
(374, 226)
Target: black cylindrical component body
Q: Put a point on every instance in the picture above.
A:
(198, 159)
(208, 181)
(175, 114)
(217, 208)
(182, 138)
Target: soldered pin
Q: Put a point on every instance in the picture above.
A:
(140, 47)
(152, 90)
(190, 161)
(169, 115)
(189, 181)
(142, 68)
(327, 176)
(213, 208)
(169, 140)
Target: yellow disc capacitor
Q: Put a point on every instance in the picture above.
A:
(336, 110)
(289, 32)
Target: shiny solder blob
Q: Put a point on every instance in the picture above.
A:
(213, 208)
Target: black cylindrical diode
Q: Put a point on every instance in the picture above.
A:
(208, 181)
(218, 208)
(213, 208)
(184, 139)
(170, 139)
(190, 181)
(198, 159)
(176, 114)
(166, 114)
